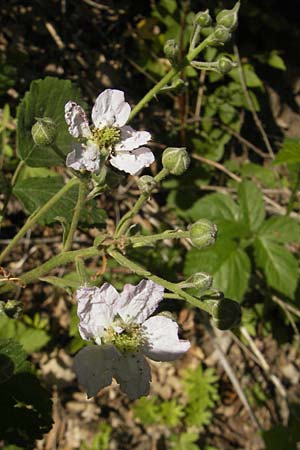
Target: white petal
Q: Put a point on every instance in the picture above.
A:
(93, 366)
(134, 161)
(131, 139)
(96, 309)
(133, 374)
(110, 109)
(139, 302)
(77, 120)
(84, 157)
(162, 339)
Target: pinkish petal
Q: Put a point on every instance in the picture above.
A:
(93, 366)
(84, 157)
(77, 120)
(162, 342)
(133, 162)
(96, 310)
(131, 139)
(110, 109)
(133, 373)
(139, 302)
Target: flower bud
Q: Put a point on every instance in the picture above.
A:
(146, 184)
(176, 160)
(44, 131)
(199, 280)
(225, 313)
(228, 18)
(225, 64)
(171, 50)
(219, 36)
(13, 309)
(203, 19)
(203, 233)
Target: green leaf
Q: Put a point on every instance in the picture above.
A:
(46, 98)
(278, 264)
(252, 80)
(146, 409)
(171, 412)
(266, 175)
(290, 152)
(12, 359)
(32, 194)
(30, 338)
(281, 229)
(276, 61)
(252, 208)
(185, 441)
(228, 264)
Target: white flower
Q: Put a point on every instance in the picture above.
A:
(121, 326)
(109, 136)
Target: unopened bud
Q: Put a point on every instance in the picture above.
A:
(225, 313)
(146, 184)
(225, 64)
(176, 160)
(44, 131)
(229, 17)
(203, 233)
(203, 19)
(13, 309)
(171, 50)
(220, 35)
(199, 280)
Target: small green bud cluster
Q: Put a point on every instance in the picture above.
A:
(203, 233)
(146, 184)
(228, 18)
(226, 313)
(171, 50)
(225, 64)
(220, 35)
(176, 160)
(44, 131)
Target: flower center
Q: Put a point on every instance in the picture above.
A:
(128, 340)
(106, 137)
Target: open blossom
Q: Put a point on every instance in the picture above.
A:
(108, 137)
(121, 326)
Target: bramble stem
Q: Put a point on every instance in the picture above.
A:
(34, 217)
(76, 216)
(169, 234)
(125, 220)
(168, 77)
(123, 261)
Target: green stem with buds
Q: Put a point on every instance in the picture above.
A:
(193, 53)
(76, 216)
(123, 225)
(123, 261)
(146, 240)
(33, 218)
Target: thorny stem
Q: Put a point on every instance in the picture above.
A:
(53, 263)
(125, 220)
(134, 267)
(77, 211)
(33, 218)
(168, 77)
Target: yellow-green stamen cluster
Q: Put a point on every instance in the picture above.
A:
(127, 341)
(106, 137)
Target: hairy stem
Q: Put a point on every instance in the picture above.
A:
(75, 219)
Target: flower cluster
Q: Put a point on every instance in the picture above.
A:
(108, 138)
(122, 327)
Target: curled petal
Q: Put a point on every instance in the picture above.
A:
(162, 342)
(93, 366)
(110, 109)
(133, 162)
(84, 157)
(77, 120)
(139, 302)
(131, 139)
(133, 374)
(96, 309)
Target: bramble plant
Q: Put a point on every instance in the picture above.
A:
(66, 162)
